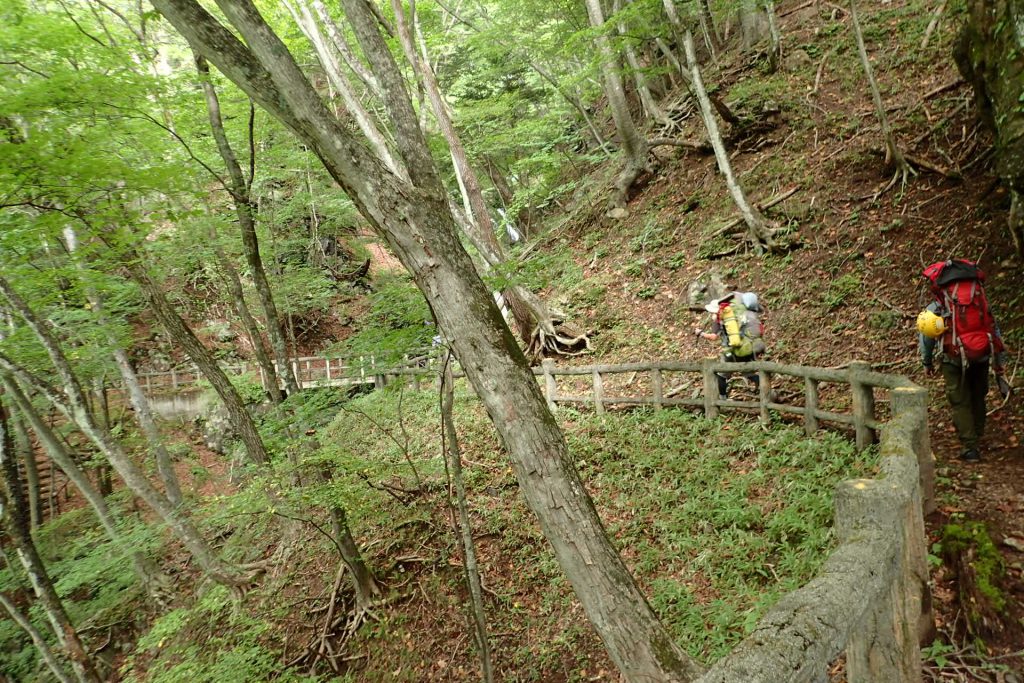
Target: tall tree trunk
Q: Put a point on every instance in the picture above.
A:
(240, 190)
(775, 51)
(23, 446)
(712, 39)
(759, 232)
(233, 283)
(332, 67)
(152, 580)
(183, 336)
(634, 146)
(893, 156)
(344, 49)
(14, 513)
(462, 523)
(37, 639)
(75, 408)
(417, 224)
(650, 104)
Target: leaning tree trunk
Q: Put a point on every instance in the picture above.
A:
(634, 146)
(236, 294)
(151, 578)
(364, 583)
(650, 104)
(14, 515)
(894, 158)
(183, 336)
(37, 639)
(240, 188)
(463, 525)
(759, 232)
(415, 220)
(76, 409)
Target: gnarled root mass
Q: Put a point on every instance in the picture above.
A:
(557, 338)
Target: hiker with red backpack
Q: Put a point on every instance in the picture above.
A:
(960, 325)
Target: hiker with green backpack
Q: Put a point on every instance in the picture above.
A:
(960, 329)
(735, 323)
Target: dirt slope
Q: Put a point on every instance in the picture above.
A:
(852, 287)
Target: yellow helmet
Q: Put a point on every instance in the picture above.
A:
(930, 325)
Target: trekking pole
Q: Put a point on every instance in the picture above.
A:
(1005, 389)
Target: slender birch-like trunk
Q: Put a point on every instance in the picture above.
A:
(633, 145)
(240, 189)
(37, 639)
(758, 231)
(236, 294)
(74, 406)
(136, 396)
(462, 523)
(894, 158)
(151, 578)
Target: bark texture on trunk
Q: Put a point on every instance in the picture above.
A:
(418, 225)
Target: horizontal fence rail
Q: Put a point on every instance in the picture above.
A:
(869, 601)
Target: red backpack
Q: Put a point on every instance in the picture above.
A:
(970, 328)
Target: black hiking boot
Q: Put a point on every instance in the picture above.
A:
(970, 455)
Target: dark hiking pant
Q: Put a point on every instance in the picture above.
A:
(966, 389)
(723, 379)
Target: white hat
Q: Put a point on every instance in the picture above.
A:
(712, 306)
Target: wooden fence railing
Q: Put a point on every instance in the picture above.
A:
(870, 600)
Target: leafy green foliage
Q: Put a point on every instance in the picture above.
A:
(398, 322)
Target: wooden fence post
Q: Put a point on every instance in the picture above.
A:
(764, 387)
(710, 389)
(174, 379)
(863, 404)
(598, 393)
(550, 388)
(656, 386)
(810, 405)
(914, 400)
(884, 647)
